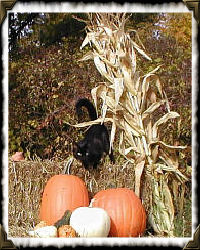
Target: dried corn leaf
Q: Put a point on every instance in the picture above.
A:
(140, 146)
(152, 108)
(167, 102)
(99, 91)
(121, 143)
(107, 62)
(131, 129)
(100, 50)
(108, 31)
(102, 69)
(130, 120)
(111, 103)
(140, 50)
(112, 135)
(128, 134)
(129, 82)
(104, 110)
(86, 124)
(175, 187)
(148, 130)
(154, 153)
(86, 41)
(159, 217)
(164, 119)
(138, 173)
(87, 56)
(166, 145)
(122, 150)
(145, 87)
(136, 81)
(171, 169)
(170, 159)
(128, 104)
(129, 149)
(119, 88)
(159, 87)
(168, 202)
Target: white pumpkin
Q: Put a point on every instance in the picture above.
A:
(90, 222)
(44, 232)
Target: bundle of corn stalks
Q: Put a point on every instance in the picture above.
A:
(129, 102)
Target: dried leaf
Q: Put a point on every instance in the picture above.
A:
(111, 103)
(140, 50)
(171, 169)
(136, 81)
(86, 124)
(148, 129)
(112, 135)
(119, 88)
(169, 159)
(145, 87)
(108, 31)
(129, 149)
(168, 202)
(159, 86)
(128, 134)
(166, 145)
(86, 41)
(130, 120)
(154, 153)
(138, 173)
(131, 130)
(102, 69)
(121, 143)
(107, 62)
(164, 119)
(99, 91)
(152, 108)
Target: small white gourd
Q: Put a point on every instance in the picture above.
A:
(44, 232)
(90, 222)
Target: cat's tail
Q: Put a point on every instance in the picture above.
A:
(84, 102)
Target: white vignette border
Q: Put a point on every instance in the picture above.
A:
(57, 7)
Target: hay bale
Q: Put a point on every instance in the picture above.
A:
(26, 184)
(27, 180)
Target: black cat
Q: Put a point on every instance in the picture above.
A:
(96, 142)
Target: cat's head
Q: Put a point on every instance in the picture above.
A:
(80, 152)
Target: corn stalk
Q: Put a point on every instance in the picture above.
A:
(129, 101)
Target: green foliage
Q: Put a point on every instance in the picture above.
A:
(19, 26)
(59, 26)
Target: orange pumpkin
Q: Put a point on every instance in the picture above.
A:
(127, 214)
(66, 231)
(61, 193)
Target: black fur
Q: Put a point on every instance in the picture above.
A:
(96, 142)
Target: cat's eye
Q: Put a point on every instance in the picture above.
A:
(79, 154)
(87, 154)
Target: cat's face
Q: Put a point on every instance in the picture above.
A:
(81, 153)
